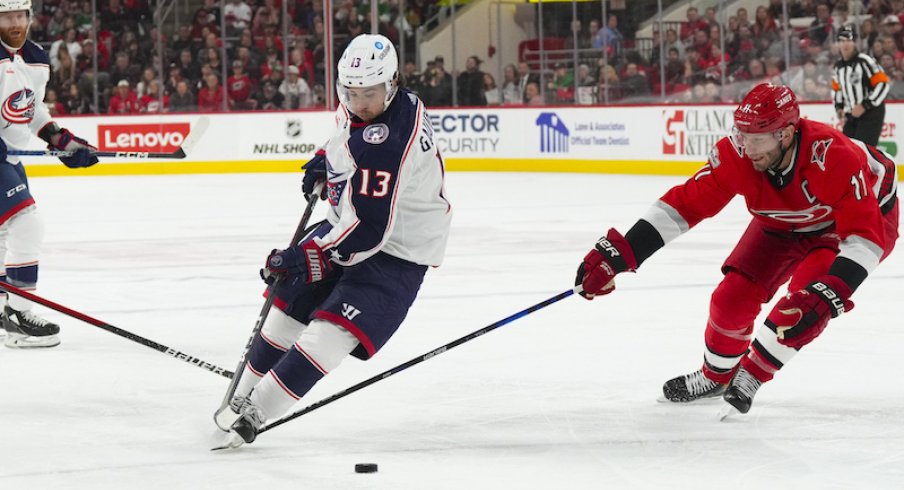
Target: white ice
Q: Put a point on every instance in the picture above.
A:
(562, 398)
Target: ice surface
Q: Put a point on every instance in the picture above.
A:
(562, 398)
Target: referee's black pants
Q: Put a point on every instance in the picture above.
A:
(867, 127)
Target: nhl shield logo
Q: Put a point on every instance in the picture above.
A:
(293, 128)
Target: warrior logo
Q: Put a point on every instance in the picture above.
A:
(19, 108)
(349, 311)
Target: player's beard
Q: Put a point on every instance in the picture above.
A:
(14, 37)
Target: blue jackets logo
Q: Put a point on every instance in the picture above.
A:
(553, 133)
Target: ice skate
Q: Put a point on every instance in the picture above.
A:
(245, 429)
(739, 394)
(690, 387)
(26, 330)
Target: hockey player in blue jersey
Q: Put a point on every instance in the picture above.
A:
(349, 284)
(23, 80)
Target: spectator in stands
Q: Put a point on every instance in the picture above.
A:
(470, 84)
(891, 27)
(238, 89)
(183, 40)
(610, 38)
(511, 92)
(191, 70)
(53, 103)
(76, 103)
(123, 100)
(237, 15)
(561, 88)
(634, 84)
(693, 24)
(437, 88)
(524, 77)
(743, 18)
(295, 90)
(69, 43)
(150, 101)
(182, 99)
(712, 92)
(672, 42)
(609, 88)
(821, 29)
(269, 98)
(710, 17)
(211, 96)
(64, 74)
(147, 76)
(532, 95)
(491, 91)
(124, 69)
(764, 25)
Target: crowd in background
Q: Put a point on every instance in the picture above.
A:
(267, 70)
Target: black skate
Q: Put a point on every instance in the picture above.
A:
(245, 429)
(691, 387)
(26, 330)
(740, 393)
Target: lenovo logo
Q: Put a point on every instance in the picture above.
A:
(165, 137)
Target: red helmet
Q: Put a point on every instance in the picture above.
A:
(767, 108)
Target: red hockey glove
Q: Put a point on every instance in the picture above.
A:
(801, 316)
(307, 260)
(610, 256)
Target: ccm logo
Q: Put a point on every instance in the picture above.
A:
(165, 137)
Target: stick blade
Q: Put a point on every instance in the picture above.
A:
(197, 131)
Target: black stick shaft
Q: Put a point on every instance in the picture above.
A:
(417, 360)
(118, 331)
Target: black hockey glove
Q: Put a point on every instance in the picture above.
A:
(314, 172)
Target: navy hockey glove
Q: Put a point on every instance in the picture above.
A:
(314, 172)
(82, 155)
(801, 316)
(306, 260)
(610, 256)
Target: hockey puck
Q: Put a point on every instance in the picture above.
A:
(366, 468)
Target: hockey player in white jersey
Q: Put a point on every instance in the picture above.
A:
(24, 73)
(349, 284)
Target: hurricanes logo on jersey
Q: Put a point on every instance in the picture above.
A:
(19, 108)
(820, 148)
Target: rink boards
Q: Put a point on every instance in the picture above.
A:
(643, 139)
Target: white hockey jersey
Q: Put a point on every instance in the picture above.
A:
(23, 81)
(385, 185)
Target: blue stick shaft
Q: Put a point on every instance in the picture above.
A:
(417, 360)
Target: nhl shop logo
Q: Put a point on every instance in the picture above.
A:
(554, 135)
(293, 128)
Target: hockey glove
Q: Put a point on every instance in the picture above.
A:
(610, 256)
(82, 155)
(801, 316)
(307, 260)
(314, 172)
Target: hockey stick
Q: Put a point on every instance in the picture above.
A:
(200, 127)
(118, 331)
(262, 317)
(417, 360)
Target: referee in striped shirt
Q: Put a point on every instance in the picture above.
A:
(860, 87)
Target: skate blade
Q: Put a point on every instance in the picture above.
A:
(728, 411)
(20, 341)
(225, 418)
(229, 441)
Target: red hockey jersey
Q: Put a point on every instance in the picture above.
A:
(831, 179)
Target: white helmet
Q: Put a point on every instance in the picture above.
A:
(14, 5)
(370, 59)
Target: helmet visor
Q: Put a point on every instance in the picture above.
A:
(363, 101)
(756, 143)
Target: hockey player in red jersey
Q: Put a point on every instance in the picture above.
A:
(825, 213)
